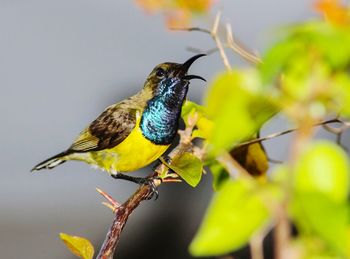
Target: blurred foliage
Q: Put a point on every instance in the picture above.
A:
(304, 76)
(252, 158)
(238, 105)
(320, 204)
(334, 11)
(235, 213)
(79, 246)
(178, 13)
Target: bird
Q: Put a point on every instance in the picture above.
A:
(136, 131)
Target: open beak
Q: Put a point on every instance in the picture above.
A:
(185, 66)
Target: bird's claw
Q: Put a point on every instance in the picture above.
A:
(154, 189)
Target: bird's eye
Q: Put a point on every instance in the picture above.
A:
(160, 72)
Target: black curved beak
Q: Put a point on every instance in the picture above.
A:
(189, 77)
(185, 66)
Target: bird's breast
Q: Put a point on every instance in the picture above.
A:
(133, 153)
(159, 122)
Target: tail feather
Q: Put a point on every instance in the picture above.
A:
(50, 162)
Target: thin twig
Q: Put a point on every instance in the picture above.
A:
(238, 48)
(338, 132)
(234, 45)
(214, 34)
(281, 133)
(256, 246)
(207, 52)
(234, 169)
(281, 234)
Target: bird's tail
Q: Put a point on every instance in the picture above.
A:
(50, 162)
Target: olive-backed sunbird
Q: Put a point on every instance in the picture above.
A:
(135, 132)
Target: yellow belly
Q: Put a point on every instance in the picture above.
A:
(133, 153)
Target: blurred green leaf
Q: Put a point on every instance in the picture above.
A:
(203, 124)
(309, 66)
(79, 246)
(317, 214)
(237, 105)
(204, 128)
(306, 43)
(252, 158)
(220, 175)
(234, 215)
(321, 185)
(188, 166)
(189, 107)
(323, 168)
(341, 93)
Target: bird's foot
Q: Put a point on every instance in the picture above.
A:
(150, 181)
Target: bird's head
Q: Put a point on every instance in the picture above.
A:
(171, 79)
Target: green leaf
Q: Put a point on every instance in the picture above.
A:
(323, 168)
(237, 105)
(321, 189)
(318, 215)
(189, 107)
(341, 93)
(252, 158)
(220, 175)
(188, 166)
(204, 128)
(79, 246)
(234, 215)
(304, 43)
(203, 124)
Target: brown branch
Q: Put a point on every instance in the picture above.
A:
(123, 212)
(121, 216)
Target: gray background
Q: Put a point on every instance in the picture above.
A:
(61, 63)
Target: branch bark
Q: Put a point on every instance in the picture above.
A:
(121, 216)
(123, 212)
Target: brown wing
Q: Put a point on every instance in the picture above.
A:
(108, 130)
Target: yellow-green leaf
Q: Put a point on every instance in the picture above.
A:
(237, 105)
(79, 246)
(203, 124)
(188, 166)
(234, 215)
(323, 168)
(316, 214)
(189, 107)
(220, 175)
(252, 158)
(321, 189)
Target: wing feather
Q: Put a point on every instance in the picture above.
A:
(108, 130)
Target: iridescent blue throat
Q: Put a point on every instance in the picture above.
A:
(160, 119)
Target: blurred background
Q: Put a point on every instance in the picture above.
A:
(62, 62)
